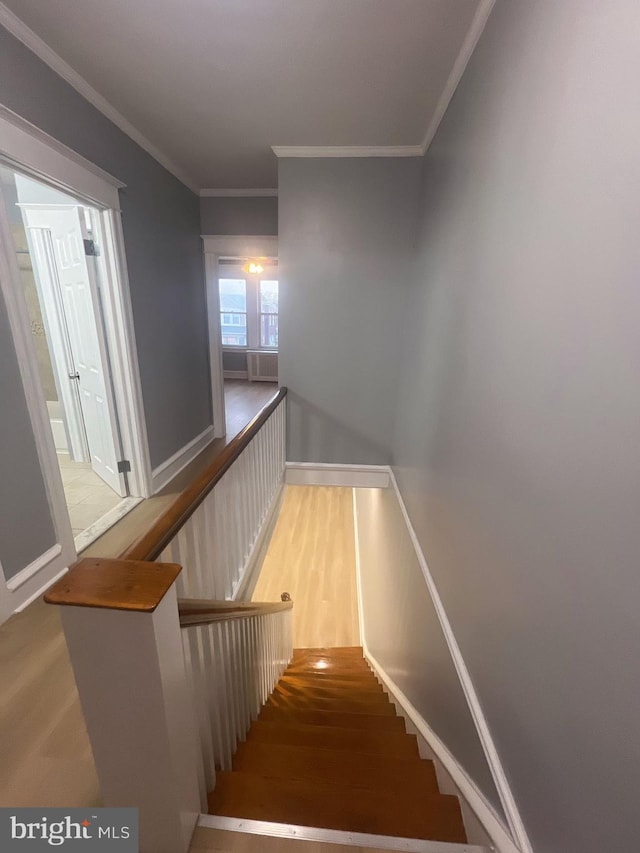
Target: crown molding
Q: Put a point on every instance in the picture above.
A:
(347, 150)
(239, 193)
(468, 46)
(23, 33)
(464, 55)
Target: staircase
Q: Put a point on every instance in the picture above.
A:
(328, 750)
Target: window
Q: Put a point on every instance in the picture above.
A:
(233, 312)
(268, 313)
(248, 309)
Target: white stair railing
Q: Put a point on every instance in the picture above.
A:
(218, 544)
(234, 659)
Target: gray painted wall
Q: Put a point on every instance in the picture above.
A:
(346, 231)
(255, 216)
(161, 221)
(518, 421)
(403, 632)
(26, 527)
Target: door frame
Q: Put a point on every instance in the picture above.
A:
(32, 151)
(217, 246)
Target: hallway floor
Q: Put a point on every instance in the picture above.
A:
(311, 556)
(242, 399)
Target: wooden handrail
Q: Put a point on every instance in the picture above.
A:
(153, 542)
(195, 611)
(114, 584)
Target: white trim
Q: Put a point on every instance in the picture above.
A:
(33, 41)
(34, 567)
(481, 807)
(216, 374)
(243, 590)
(239, 193)
(49, 580)
(516, 826)
(333, 836)
(171, 467)
(323, 474)
(356, 538)
(464, 55)
(105, 522)
(240, 246)
(123, 354)
(235, 374)
(321, 151)
(25, 145)
(468, 46)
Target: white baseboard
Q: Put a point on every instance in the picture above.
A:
(324, 474)
(468, 791)
(235, 374)
(34, 567)
(163, 474)
(515, 839)
(249, 577)
(517, 831)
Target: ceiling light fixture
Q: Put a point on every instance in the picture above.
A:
(253, 267)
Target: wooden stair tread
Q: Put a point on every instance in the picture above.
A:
(406, 813)
(353, 769)
(343, 719)
(303, 681)
(359, 704)
(395, 743)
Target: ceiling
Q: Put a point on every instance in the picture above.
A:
(213, 84)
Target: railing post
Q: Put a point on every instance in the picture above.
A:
(121, 625)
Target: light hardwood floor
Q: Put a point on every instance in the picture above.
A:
(312, 557)
(45, 754)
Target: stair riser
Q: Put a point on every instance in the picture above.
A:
(278, 700)
(356, 770)
(397, 745)
(331, 682)
(363, 722)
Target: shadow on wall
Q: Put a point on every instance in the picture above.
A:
(313, 435)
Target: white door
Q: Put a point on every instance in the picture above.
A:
(83, 322)
(50, 298)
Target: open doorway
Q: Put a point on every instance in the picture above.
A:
(58, 244)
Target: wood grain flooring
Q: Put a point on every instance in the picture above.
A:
(312, 556)
(46, 755)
